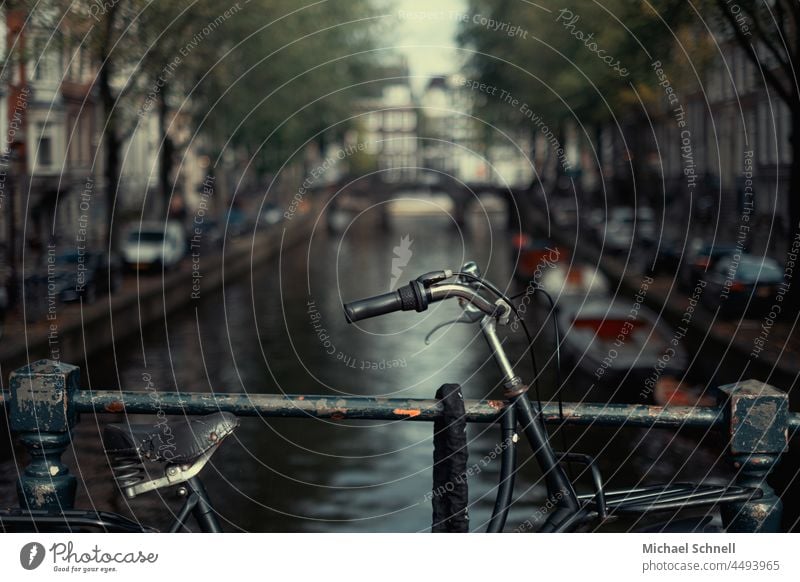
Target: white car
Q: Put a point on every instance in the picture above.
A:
(625, 226)
(153, 245)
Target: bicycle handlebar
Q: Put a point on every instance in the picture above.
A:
(434, 286)
(403, 299)
(417, 295)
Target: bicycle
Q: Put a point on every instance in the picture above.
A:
(145, 458)
(149, 457)
(572, 511)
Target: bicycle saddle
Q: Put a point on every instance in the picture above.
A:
(176, 442)
(174, 452)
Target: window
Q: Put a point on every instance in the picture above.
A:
(740, 70)
(751, 128)
(392, 146)
(409, 121)
(373, 143)
(373, 120)
(394, 120)
(74, 143)
(45, 156)
(718, 82)
(86, 139)
(765, 133)
(784, 133)
(752, 74)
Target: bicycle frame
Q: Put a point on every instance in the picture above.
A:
(532, 426)
(199, 506)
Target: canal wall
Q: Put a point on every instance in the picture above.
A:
(82, 331)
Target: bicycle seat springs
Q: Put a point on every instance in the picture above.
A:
(128, 470)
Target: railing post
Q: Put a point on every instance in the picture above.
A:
(42, 415)
(757, 432)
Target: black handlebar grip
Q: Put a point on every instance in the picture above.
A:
(373, 306)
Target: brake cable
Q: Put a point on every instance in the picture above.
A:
(509, 300)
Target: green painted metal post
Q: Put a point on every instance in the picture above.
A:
(757, 416)
(42, 414)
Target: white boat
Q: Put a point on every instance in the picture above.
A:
(615, 343)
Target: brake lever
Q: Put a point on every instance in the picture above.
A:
(465, 317)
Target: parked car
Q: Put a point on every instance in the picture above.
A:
(618, 237)
(701, 258)
(85, 275)
(271, 215)
(154, 245)
(665, 256)
(206, 235)
(235, 222)
(625, 227)
(744, 287)
(564, 214)
(647, 228)
(593, 222)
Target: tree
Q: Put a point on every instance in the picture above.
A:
(578, 62)
(292, 75)
(128, 41)
(230, 58)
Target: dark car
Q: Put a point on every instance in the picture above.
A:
(664, 256)
(701, 260)
(84, 274)
(206, 235)
(748, 286)
(236, 223)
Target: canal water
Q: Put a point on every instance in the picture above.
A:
(282, 330)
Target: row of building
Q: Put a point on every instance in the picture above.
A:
(710, 147)
(422, 138)
(53, 185)
(705, 145)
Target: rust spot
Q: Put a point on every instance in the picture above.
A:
(762, 417)
(496, 404)
(337, 415)
(43, 494)
(406, 411)
(115, 406)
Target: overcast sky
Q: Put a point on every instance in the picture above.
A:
(428, 22)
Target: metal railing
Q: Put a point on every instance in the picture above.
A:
(45, 400)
